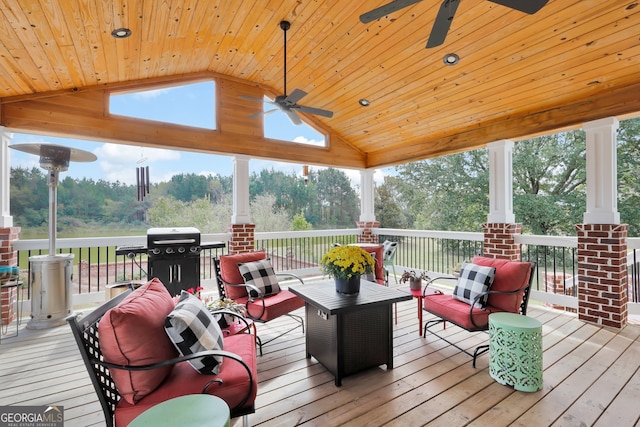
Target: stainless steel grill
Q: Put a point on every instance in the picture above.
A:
(174, 256)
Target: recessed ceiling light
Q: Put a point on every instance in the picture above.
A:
(451, 59)
(121, 33)
(364, 102)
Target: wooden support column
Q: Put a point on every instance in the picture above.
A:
(367, 195)
(6, 220)
(241, 228)
(602, 240)
(367, 215)
(501, 228)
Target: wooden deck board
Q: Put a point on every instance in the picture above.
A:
(591, 377)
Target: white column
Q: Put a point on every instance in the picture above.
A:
(501, 182)
(367, 195)
(602, 169)
(6, 220)
(241, 214)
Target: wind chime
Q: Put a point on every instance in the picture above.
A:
(305, 174)
(142, 179)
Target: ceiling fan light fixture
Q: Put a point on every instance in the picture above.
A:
(364, 102)
(451, 59)
(121, 33)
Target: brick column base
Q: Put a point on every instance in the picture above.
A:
(242, 238)
(367, 235)
(8, 256)
(499, 241)
(8, 298)
(602, 274)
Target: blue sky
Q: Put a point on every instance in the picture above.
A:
(192, 105)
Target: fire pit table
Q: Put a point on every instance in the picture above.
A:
(349, 333)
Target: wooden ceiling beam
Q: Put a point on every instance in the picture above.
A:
(618, 102)
(84, 115)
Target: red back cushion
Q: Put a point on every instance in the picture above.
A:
(378, 252)
(231, 273)
(132, 333)
(510, 275)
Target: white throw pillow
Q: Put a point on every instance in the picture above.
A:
(474, 280)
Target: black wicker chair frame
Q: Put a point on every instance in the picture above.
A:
(85, 332)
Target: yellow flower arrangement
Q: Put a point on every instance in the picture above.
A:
(344, 262)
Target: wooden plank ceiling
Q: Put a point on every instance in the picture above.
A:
(519, 75)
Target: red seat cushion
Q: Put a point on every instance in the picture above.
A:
(456, 311)
(231, 273)
(132, 333)
(183, 380)
(510, 276)
(276, 305)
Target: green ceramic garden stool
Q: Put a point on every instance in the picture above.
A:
(515, 351)
(186, 411)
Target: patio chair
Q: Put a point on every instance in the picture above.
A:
(389, 259)
(248, 279)
(475, 298)
(154, 372)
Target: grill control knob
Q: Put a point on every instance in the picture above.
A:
(181, 250)
(194, 249)
(156, 251)
(169, 250)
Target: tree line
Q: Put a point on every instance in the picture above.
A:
(444, 193)
(549, 186)
(279, 201)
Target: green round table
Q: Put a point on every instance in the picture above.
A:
(515, 351)
(186, 411)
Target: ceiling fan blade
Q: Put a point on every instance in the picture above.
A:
(251, 98)
(262, 113)
(385, 10)
(442, 23)
(295, 96)
(526, 6)
(316, 111)
(293, 117)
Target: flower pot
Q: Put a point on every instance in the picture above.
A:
(349, 286)
(415, 284)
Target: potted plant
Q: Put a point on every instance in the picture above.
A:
(226, 304)
(346, 264)
(414, 279)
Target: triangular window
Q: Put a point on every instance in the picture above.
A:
(188, 105)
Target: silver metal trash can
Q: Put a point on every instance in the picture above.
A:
(51, 291)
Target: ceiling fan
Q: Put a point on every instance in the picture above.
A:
(445, 14)
(289, 103)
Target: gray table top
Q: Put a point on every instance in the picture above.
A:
(324, 296)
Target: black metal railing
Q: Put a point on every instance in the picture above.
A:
(96, 265)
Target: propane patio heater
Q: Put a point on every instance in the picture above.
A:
(52, 274)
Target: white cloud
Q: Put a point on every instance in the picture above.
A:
(150, 94)
(303, 140)
(119, 162)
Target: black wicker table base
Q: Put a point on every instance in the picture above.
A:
(349, 333)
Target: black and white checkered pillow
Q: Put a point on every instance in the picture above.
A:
(192, 328)
(261, 275)
(474, 280)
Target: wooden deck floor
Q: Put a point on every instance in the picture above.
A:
(591, 377)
